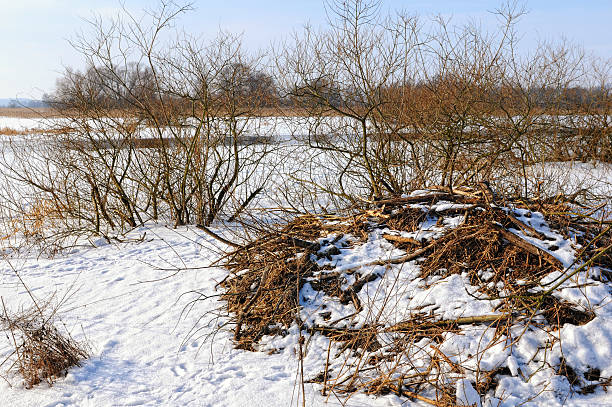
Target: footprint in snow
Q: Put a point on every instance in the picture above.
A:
(179, 370)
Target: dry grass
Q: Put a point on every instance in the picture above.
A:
(41, 352)
(7, 131)
(33, 222)
(28, 113)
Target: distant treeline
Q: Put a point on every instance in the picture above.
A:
(122, 88)
(19, 102)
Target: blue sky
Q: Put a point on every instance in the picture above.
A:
(34, 33)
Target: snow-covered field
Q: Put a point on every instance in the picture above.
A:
(19, 123)
(282, 128)
(126, 302)
(151, 345)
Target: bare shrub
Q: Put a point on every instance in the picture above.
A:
(160, 130)
(396, 104)
(41, 351)
(337, 77)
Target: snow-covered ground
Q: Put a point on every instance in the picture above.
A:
(283, 128)
(19, 123)
(124, 300)
(128, 302)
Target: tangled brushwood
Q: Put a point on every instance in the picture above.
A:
(449, 297)
(41, 352)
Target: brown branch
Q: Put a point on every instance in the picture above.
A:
(430, 197)
(408, 325)
(217, 237)
(401, 239)
(525, 245)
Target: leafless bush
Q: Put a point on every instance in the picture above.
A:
(338, 78)
(158, 129)
(397, 104)
(40, 350)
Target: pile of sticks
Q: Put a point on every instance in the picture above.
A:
(262, 291)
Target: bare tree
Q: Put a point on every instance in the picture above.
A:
(152, 129)
(339, 76)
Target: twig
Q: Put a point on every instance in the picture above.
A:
(10, 327)
(326, 368)
(523, 244)
(218, 237)
(401, 239)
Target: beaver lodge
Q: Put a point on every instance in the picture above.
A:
(446, 298)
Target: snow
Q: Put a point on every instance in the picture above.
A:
(453, 297)
(513, 365)
(149, 311)
(19, 123)
(466, 394)
(591, 179)
(126, 302)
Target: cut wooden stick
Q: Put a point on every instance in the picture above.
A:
(430, 197)
(411, 324)
(478, 319)
(401, 239)
(524, 227)
(525, 245)
(218, 237)
(424, 399)
(397, 260)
